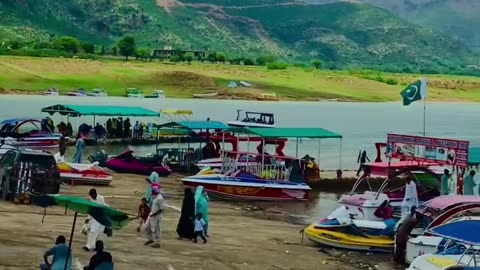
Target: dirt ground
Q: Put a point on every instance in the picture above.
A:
(238, 240)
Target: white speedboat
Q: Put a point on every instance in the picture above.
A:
(253, 119)
(97, 92)
(134, 93)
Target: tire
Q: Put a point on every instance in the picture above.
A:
(4, 191)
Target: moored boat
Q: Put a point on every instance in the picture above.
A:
(205, 95)
(27, 132)
(51, 92)
(86, 174)
(97, 92)
(156, 94)
(127, 163)
(134, 93)
(253, 119)
(77, 93)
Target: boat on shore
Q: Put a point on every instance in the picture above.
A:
(84, 174)
(126, 162)
(97, 92)
(26, 132)
(134, 93)
(77, 93)
(205, 95)
(268, 97)
(51, 92)
(157, 94)
(253, 119)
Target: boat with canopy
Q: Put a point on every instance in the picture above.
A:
(271, 177)
(253, 119)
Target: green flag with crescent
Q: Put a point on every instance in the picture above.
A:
(413, 92)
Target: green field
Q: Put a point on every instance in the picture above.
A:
(30, 75)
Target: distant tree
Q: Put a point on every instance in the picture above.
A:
(15, 45)
(42, 45)
(114, 50)
(126, 47)
(316, 63)
(248, 62)
(180, 54)
(221, 57)
(265, 59)
(212, 57)
(88, 48)
(174, 58)
(143, 53)
(189, 57)
(66, 43)
(102, 50)
(236, 61)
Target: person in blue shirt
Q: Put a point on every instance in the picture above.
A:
(59, 252)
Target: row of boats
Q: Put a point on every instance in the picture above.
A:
(100, 92)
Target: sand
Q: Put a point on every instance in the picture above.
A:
(238, 240)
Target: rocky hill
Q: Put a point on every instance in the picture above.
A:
(341, 33)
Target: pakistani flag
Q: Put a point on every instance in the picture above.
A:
(415, 91)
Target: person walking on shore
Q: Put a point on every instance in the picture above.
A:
(79, 146)
(362, 159)
(185, 227)
(199, 228)
(96, 231)
(201, 206)
(153, 228)
(444, 183)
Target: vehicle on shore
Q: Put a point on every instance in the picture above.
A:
(253, 119)
(28, 171)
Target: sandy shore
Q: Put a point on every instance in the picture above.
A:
(238, 240)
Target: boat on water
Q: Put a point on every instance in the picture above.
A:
(459, 251)
(51, 92)
(134, 93)
(83, 174)
(268, 97)
(157, 94)
(77, 93)
(253, 119)
(270, 178)
(27, 132)
(126, 162)
(97, 92)
(205, 95)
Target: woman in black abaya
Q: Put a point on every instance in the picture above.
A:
(185, 225)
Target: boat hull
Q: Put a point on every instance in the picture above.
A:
(230, 189)
(83, 174)
(249, 124)
(344, 241)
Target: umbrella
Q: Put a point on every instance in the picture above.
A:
(107, 216)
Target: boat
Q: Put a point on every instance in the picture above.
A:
(253, 119)
(83, 174)
(157, 94)
(134, 93)
(460, 249)
(364, 205)
(97, 92)
(205, 95)
(351, 234)
(26, 132)
(77, 93)
(437, 211)
(246, 186)
(268, 97)
(4, 148)
(126, 162)
(51, 92)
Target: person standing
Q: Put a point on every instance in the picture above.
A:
(79, 146)
(362, 159)
(153, 182)
(96, 231)
(468, 183)
(153, 228)
(201, 206)
(410, 199)
(60, 252)
(444, 183)
(199, 228)
(143, 213)
(185, 227)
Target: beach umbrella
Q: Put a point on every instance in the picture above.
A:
(107, 216)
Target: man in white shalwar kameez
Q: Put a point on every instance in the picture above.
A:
(96, 231)
(152, 225)
(410, 199)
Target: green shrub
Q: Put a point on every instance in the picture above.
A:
(391, 81)
(277, 65)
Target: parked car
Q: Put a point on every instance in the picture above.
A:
(28, 171)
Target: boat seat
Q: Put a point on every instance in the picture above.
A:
(441, 262)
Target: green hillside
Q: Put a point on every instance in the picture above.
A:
(340, 34)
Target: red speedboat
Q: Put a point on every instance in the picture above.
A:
(127, 163)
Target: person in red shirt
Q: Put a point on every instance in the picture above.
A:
(143, 213)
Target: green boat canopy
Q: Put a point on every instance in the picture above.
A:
(474, 156)
(313, 133)
(79, 110)
(195, 125)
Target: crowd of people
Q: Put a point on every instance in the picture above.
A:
(193, 224)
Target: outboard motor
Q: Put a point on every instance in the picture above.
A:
(100, 157)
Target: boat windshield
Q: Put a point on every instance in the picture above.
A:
(257, 117)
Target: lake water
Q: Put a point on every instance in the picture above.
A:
(361, 124)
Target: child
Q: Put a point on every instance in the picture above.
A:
(143, 213)
(199, 226)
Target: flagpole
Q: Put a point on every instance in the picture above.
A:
(424, 115)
